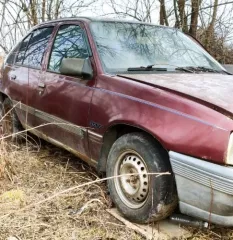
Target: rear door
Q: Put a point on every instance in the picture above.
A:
(32, 60)
(15, 75)
(24, 75)
(64, 101)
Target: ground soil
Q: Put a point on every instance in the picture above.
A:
(32, 205)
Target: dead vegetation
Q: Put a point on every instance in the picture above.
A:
(31, 173)
(36, 175)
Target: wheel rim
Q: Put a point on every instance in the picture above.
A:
(132, 190)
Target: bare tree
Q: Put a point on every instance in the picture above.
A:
(163, 20)
(141, 10)
(211, 21)
(182, 15)
(18, 16)
(210, 28)
(194, 17)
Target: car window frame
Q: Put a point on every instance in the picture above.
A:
(31, 33)
(57, 28)
(20, 44)
(14, 49)
(33, 67)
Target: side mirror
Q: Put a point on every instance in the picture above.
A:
(76, 67)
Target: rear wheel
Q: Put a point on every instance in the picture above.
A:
(11, 125)
(140, 196)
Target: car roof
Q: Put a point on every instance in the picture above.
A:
(97, 19)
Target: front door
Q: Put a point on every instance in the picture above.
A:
(64, 101)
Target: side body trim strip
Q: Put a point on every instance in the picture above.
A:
(155, 105)
(85, 158)
(95, 137)
(70, 127)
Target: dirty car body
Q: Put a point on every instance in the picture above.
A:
(184, 101)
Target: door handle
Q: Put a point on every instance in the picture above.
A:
(13, 76)
(41, 85)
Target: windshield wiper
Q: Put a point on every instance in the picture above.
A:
(189, 69)
(197, 69)
(147, 68)
(185, 69)
(151, 68)
(206, 69)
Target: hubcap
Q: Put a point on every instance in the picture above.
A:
(132, 189)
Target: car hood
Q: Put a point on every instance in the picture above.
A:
(214, 89)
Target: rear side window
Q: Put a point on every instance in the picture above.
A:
(11, 58)
(36, 48)
(69, 43)
(23, 47)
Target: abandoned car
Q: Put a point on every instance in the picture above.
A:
(141, 101)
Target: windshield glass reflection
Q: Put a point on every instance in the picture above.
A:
(124, 45)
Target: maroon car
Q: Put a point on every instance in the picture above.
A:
(131, 99)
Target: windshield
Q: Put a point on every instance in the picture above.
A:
(125, 45)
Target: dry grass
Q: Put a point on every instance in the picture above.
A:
(39, 174)
(29, 174)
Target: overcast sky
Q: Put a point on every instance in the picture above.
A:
(224, 14)
(224, 26)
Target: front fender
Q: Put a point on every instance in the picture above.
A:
(179, 124)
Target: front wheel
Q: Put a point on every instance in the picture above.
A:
(139, 195)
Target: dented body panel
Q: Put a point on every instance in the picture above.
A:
(190, 114)
(213, 90)
(187, 113)
(181, 124)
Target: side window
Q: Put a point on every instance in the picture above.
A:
(11, 57)
(23, 47)
(69, 43)
(37, 46)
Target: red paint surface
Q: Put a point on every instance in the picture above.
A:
(187, 113)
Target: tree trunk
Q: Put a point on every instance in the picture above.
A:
(181, 5)
(34, 18)
(162, 14)
(194, 18)
(57, 7)
(185, 26)
(49, 9)
(210, 30)
(177, 23)
(43, 11)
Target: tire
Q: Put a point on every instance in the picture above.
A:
(10, 122)
(141, 198)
